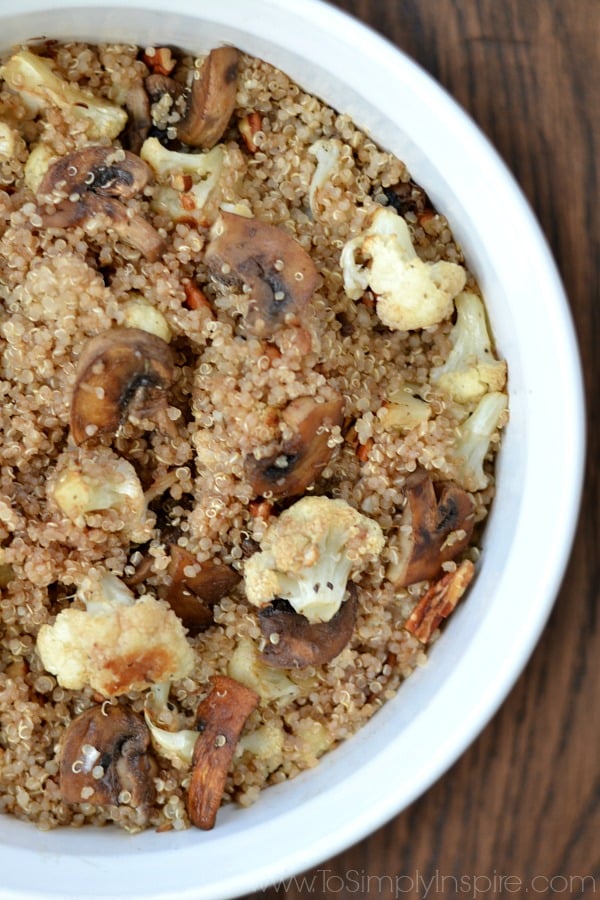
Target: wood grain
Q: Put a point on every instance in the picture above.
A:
(519, 814)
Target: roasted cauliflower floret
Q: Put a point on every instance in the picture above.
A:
(117, 643)
(410, 293)
(189, 185)
(307, 555)
(328, 153)
(474, 437)
(101, 481)
(33, 78)
(471, 369)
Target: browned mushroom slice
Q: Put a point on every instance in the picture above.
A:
(408, 197)
(192, 596)
(278, 273)
(300, 459)
(133, 230)
(292, 642)
(157, 85)
(105, 760)
(439, 521)
(137, 104)
(119, 370)
(212, 99)
(93, 179)
(220, 719)
(439, 601)
(99, 170)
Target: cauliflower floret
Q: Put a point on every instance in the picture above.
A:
(307, 555)
(93, 482)
(9, 140)
(410, 293)
(117, 644)
(189, 185)
(328, 154)
(475, 434)
(138, 313)
(38, 86)
(471, 369)
(38, 163)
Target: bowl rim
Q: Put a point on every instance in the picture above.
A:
(374, 809)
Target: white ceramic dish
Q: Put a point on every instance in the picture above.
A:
(440, 710)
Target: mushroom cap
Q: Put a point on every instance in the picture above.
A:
(98, 169)
(277, 271)
(299, 460)
(441, 521)
(116, 368)
(211, 100)
(115, 740)
(293, 642)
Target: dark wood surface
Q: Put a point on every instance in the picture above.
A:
(519, 814)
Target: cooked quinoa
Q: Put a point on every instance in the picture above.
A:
(107, 523)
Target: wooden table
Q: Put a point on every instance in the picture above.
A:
(519, 814)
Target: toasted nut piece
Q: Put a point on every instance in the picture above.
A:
(292, 642)
(279, 274)
(248, 127)
(439, 601)
(192, 597)
(195, 298)
(211, 100)
(441, 520)
(117, 369)
(220, 719)
(105, 760)
(160, 60)
(299, 460)
(95, 169)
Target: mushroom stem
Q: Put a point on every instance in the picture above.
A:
(220, 719)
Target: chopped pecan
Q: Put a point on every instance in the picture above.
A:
(439, 601)
(220, 719)
(248, 126)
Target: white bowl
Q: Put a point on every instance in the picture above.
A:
(442, 707)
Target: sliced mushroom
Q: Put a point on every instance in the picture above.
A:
(133, 230)
(105, 759)
(436, 526)
(408, 197)
(300, 459)
(137, 104)
(292, 642)
(211, 100)
(95, 169)
(220, 719)
(192, 597)
(93, 181)
(157, 85)
(119, 371)
(278, 273)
